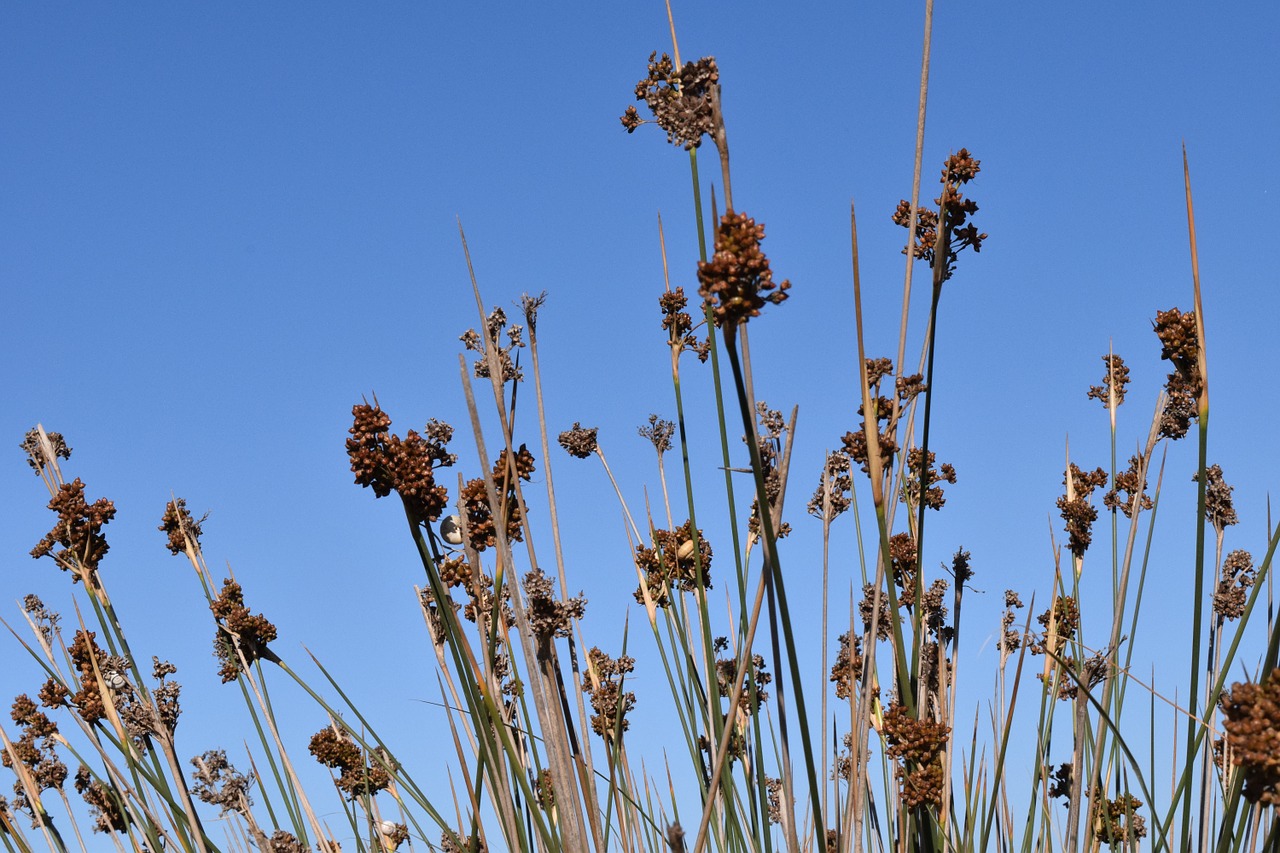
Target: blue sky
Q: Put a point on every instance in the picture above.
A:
(224, 224)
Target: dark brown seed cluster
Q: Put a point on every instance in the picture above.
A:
(911, 484)
(902, 552)
(1252, 713)
(218, 783)
(238, 629)
(1061, 620)
(103, 801)
(674, 562)
(906, 389)
(35, 748)
(385, 462)
(356, 777)
(178, 525)
(847, 671)
(579, 441)
(1061, 783)
(866, 609)
(770, 445)
(684, 102)
(1116, 821)
(659, 433)
(1076, 510)
(679, 325)
(494, 325)
(1010, 640)
(737, 280)
(462, 843)
(1128, 483)
(481, 530)
(957, 233)
(1232, 592)
(78, 531)
(1115, 379)
(286, 842)
(1180, 345)
(918, 746)
(610, 703)
(89, 659)
(548, 617)
(837, 485)
(1091, 673)
(36, 456)
(727, 667)
(1218, 506)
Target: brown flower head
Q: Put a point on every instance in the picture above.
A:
(218, 783)
(1128, 484)
(836, 485)
(385, 462)
(674, 562)
(679, 325)
(178, 525)
(847, 671)
(604, 686)
(1010, 640)
(933, 498)
(579, 441)
(1061, 620)
(918, 746)
(866, 609)
(238, 629)
(659, 433)
(1076, 510)
(1180, 345)
(35, 748)
(548, 617)
(1232, 592)
(769, 445)
(90, 661)
(1116, 821)
(957, 233)
(1115, 379)
(78, 530)
(1218, 507)
(104, 801)
(335, 749)
(727, 667)
(737, 280)
(38, 456)
(1252, 721)
(902, 550)
(684, 102)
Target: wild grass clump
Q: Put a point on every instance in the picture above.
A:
(864, 749)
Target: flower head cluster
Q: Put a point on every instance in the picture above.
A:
(867, 611)
(1252, 713)
(727, 667)
(949, 228)
(1180, 344)
(1218, 507)
(737, 280)
(548, 617)
(685, 102)
(482, 532)
(674, 562)
(917, 472)
(385, 462)
(906, 389)
(494, 324)
(659, 433)
(239, 631)
(1076, 510)
(679, 325)
(1116, 821)
(179, 526)
(1010, 640)
(847, 671)
(832, 496)
(38, 456)
(218, 783)
(35, 748)
(1115, 380)
(1231, 594)
(335, 749)
(579, 441)
(769, 444)
(610, 703)
(104, 802)
(1060, 623)
(1129, 483)
(78, 531)
(918, 746)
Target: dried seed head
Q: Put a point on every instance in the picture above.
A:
(737, 279)
(579, 441)
(684, 103)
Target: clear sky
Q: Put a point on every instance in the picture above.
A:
(220, 225)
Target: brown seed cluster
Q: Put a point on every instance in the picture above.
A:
(685, 102)
(548, 617)
(1218, 506)
(1128, 483)
(1116, 821)
(949, 228)
(356, 778)
(495, 323)
(1062, 619)
(906, 389)
(727, 667)
(769, 446)
(679, 325)
(847, 671)
(36, 456)
(1115, 379)
(837, 484)
(385, 462)
(866, 609)
(1092, 673)
(918, 746)
(918, 472)
(1252, 720)
(178, 525)
(1010, 640)
(1076, 510)
(659, 433)
(462, 843)
(902, 552)
(87, 657)
(674, 562)
(1180, 345)
(104, 802)
(737, 280)
(286, 842)
(1232, 592)
(35, 748)
(78, 531)
(579, 441)
(610, 703)
(218, 783)
(481, 530)
(238, 629)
